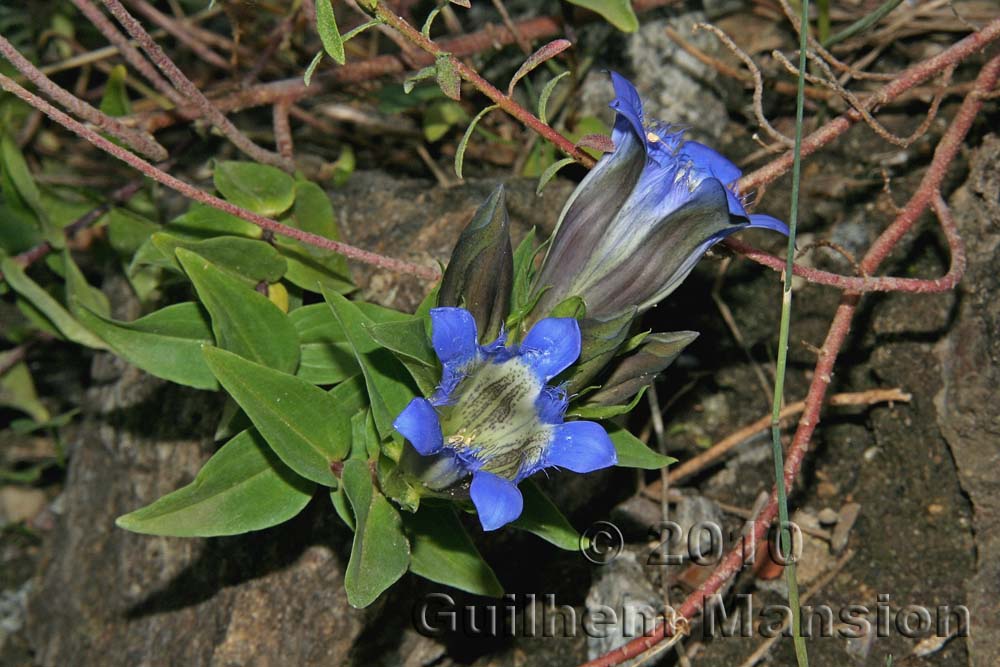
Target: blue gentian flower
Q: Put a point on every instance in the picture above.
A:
(642, 218)
(494, 416)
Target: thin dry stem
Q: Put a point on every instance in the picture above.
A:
(129, 52)
(182, 33)
(191, 91)
(758, 83)
(139, 141)
(191, 192)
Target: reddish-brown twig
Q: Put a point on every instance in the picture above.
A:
(718, 451)
(181, 33)
(283, 129)
(928, 193)
(294, 89)
(138, 140)
(131, 54)
(191, 91)
(909, 78)
(194, 193)
(530, 120)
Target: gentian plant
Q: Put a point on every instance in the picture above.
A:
(416, 426)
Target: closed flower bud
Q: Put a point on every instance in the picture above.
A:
(480, 273)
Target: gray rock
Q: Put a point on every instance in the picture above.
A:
(621, 605)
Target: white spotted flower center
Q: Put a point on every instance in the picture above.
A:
(493, 420)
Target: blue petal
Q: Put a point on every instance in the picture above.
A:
(497, 500)
(581, 447)
(418, 422)
(712, 161)
(551, 346)
(551, 404)
(453, 335)
(761, 221)
(735, 204)
(627, 103)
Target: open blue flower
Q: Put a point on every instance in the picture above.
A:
(642, 218)
(494, 416)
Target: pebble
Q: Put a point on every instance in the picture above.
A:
(842, 532)
(18, 503)
(828, 516)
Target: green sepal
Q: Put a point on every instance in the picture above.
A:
(573, 307)
(603, 412)
(639, 369)
(600, 342)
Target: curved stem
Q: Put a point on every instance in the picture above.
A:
(191, 192)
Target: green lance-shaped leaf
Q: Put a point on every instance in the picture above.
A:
(243, 487)
(541, 517)
(446, 74)
(79, 293)
(127, 231)
(480, 273)
(442, 551)
(618, 13)
(464, 142)
(311, 69)
(380, 553)
(409, 342)
(329, 34)
(249, 260)
(325, 356)
(115, 101)
(21, 192)
(600, 341)
(543, 98)
(258, 187)
(166, 343)
(50, 308)
(309, 265)
(385, 377)
(639, 369)
(410, 82)
(17, 389)
(633, 452)
(550, 173)
(547, 52)
(304, 425)
(201, 222)
(243, 320)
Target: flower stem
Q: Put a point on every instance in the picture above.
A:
(784, 534)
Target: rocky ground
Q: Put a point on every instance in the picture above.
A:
(920, 475)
